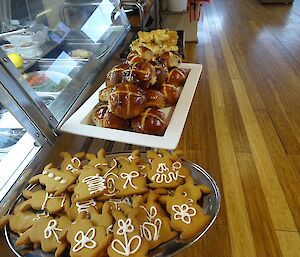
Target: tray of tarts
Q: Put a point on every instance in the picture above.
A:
(144, 101)
(135, 204)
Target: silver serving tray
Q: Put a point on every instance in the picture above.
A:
(211, 206)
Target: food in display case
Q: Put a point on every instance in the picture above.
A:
(158, 41)
(137, 87)
(48, 81)
(81, 54)
(9, 48)
(122, 204)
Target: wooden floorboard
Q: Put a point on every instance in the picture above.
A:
(244, 126)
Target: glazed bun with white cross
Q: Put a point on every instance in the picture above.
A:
(127, 100)
(151, 121)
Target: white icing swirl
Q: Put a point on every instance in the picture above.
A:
(95, 183)
(50, 175)
(39, 215)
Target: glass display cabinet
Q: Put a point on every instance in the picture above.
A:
(52, 52)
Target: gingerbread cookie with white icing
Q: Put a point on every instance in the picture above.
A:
(155, 227)
(127, 240)
(130, 180)
(91, 184)
(187, 217)
(136, 156)
(104, 219)
(191, 191)
(55, 180)
(167, 170)
(111, 175)
(19, 222)
(82, 206)
(46, 232)
(87, 239)
(99, 160)
(42, 200)
(72, 163)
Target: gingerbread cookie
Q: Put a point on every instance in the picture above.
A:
(191, 191)
(156, 227)
(72, 163)
(110, 174)
(166, 169)
(83, 206)
(19, 222)
(136, 156)
(42, 200)
(127, 240)
(97, 161)
(56, 181)
(91, 184)
(130, 180)
(46, 232)
(104, 219)
(86, 239)
(186, 217)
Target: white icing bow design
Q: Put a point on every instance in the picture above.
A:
(84, 240)
(183, 212)
(129, 176)
(74, 167)
(51, 230)
(126, 227)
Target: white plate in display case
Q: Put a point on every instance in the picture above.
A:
(80, 122)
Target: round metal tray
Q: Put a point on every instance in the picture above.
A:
(211, 206)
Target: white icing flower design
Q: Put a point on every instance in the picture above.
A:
(184, 213)
(126, 227)
(85, 240)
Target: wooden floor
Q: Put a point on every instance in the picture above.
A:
(244, 126)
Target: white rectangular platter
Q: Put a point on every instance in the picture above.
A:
(80, 122)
